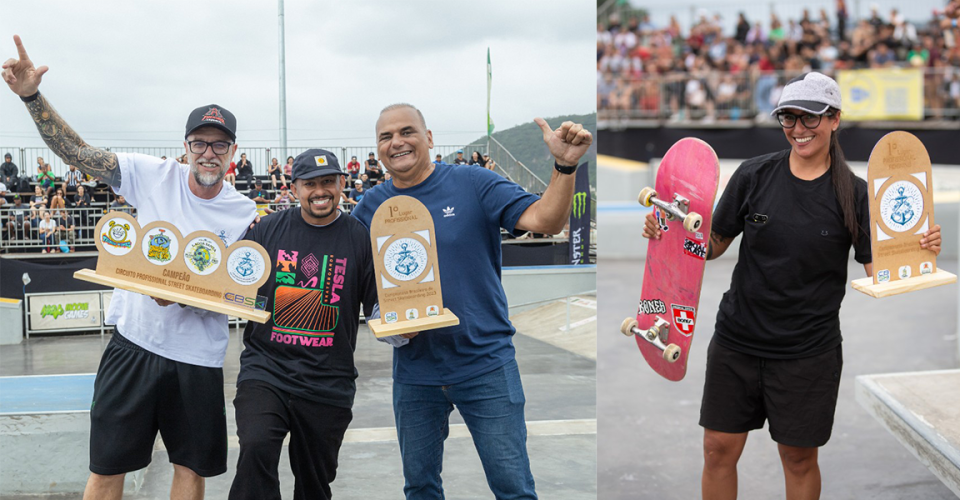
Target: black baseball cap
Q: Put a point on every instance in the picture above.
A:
(315, 163)
(212, 115)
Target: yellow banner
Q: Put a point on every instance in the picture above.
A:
(882, 94)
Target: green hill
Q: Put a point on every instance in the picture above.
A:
(525, 142)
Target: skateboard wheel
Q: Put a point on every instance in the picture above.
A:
(627, 326)
(692, 222)
(645, 195)
(671, 353)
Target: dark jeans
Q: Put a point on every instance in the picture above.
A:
(265, 414)
(492, 407)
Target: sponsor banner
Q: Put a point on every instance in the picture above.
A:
(64, 311)
(580, 217)
(881, 94)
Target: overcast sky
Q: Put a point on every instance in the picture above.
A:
(128, 72)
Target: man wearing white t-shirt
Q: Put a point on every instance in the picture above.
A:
(162, 371)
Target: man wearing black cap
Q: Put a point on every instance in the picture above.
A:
(297, 372)
(162, 370)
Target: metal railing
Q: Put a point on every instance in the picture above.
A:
(21, 228)
(513, 169)
(260, 157)
(722, 96)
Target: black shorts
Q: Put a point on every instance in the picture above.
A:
(138, 393)
(797, 396)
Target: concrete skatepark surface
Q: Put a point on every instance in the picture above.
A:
(558, 375)
(648, 434)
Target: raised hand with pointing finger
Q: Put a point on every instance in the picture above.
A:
(24, 80)
(20, 75)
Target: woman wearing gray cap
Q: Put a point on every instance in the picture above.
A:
(775, 354)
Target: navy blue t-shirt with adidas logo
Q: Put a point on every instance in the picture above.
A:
(469, 205)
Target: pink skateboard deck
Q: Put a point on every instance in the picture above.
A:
(673, 273)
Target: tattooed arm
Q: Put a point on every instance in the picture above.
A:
(717, 245)
(24, 80)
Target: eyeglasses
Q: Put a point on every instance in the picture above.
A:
(200, 147)
(809, 120)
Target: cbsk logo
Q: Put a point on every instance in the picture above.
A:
(579, 204)
(259, 302)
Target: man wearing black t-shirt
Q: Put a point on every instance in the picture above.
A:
(297, 372)
(373, 167)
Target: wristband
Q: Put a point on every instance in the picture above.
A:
(30, 98)
(564, 169)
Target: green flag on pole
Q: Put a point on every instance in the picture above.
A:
(489, 81)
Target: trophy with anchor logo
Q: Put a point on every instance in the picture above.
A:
(196, 270)
(407, 270)
(900, 190)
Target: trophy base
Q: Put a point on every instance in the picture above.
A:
(381, 329)
(167, 294)
(881, 290)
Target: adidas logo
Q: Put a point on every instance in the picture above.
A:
(448, 212)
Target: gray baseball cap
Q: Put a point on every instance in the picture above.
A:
(811, 92)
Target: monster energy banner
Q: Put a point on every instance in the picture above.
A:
(580, 218)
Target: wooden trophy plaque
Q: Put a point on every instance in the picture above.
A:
(900, 189)
(197, 271)
(407, 269)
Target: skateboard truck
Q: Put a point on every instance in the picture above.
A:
(678, 209)
(656, 335)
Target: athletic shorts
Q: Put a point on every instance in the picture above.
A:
(138, 393)
(797, 396)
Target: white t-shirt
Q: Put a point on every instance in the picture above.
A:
(159, 191)
(48, 225)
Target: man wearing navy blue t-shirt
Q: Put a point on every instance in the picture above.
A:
(473, 365)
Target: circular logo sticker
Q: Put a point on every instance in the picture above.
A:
(405, 259)
(202, 255)
(117, 236)
(245, 266)
(160, 246)
(901, 206)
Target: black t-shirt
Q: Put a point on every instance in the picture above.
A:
(784, 298)
(373, 169)
(318, 278)
(246, 170)
(262, 193)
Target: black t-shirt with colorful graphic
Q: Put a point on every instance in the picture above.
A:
(317, 280)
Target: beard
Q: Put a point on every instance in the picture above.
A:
(320, 213)
(207, 179)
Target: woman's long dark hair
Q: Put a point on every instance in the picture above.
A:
(843, 179)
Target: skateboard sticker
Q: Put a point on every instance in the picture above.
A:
(390, 317)
(159, 247)
(926, 267)
(695, 249)
(412, 313)
(904, 272)
(883, 276)
(655, 306)
(698, 235)
(433, 311)
(661, 220)
(684, 318)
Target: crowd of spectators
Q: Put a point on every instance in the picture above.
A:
(53, 214)
(645, 70)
